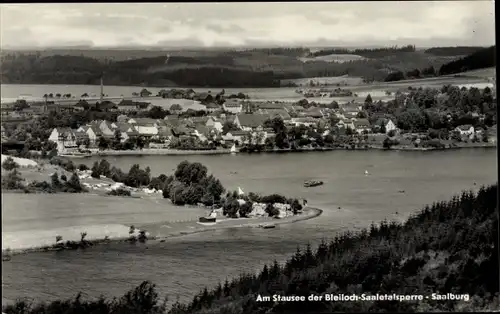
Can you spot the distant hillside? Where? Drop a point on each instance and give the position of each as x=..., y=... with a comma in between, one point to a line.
x=204, y=68
x=481, y=59
x=453, y=51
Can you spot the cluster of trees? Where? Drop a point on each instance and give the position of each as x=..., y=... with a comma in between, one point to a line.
x=425, y=109
x=453, y=51
x=58, y=184
x=192, y=185
x=13, y=180
x=367, y=52
x=232, y=208
x=480, y=58
x=136, y=177
x=447, y=247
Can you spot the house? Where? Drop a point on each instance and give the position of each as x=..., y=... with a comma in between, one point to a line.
x=214, y=124
x=465, y=130
x=127, y=131
x=127, y=105
x=387, y=123
x=107, y=129
x=107, y=105
x=345, y=124
x=135, y=121
x=202, y=132
x=305, y=121
x=233, y=106
x=362, y=125
x=211, y=107
x=269, y=105
x=92, y=132
x=164, y=131
x=236, y=136
x=282, y=113
x=145, y=93
x=204, y=97
x=248, y=122
x=313, y=112
x=64, y=138
x=146, y=129
x=198, y=120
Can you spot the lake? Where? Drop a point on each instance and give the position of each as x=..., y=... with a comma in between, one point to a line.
x=181, y=266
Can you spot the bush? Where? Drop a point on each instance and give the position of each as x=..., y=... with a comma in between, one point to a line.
x=64, y=178
x=271, y=210
x=83, y=167
x=119, y=192
x=12, y=181
x=63, y=163
x=245, y=209
x=9, y=164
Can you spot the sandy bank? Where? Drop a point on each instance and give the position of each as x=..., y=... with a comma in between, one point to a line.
x=22, y=162
x=22, y=241
x=158, y=151
x=162, y=231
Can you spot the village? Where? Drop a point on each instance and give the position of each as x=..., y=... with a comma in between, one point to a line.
x=222, y=123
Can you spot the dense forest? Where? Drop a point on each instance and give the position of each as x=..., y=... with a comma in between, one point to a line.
x=481, y=59
x=453, y=51
x=484, y=58
x=367, y=53
x=231, y=68
x=448, y=247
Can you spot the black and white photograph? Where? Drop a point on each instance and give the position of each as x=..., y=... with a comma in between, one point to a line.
x=249, y=157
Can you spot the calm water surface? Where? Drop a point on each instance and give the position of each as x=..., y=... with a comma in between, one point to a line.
x=180, y=266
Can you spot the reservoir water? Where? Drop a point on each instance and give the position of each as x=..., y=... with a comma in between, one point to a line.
x=183, y=265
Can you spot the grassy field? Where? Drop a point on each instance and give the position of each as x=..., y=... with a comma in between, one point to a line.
x=340, y=58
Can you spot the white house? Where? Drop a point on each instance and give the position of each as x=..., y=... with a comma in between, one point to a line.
x=106, y=128
x=214, y=123
x=233, y=106
x=387, y=123
x=236, y=136
x=346, y=123
x=306, y=121
x=92, y=132
x=64, y=138
x=146, y=129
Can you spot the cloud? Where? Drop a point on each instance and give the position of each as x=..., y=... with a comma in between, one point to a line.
x=236, y=24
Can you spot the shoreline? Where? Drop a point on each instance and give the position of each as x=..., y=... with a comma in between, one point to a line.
x=182, y=230
x=176, y=152
x=159, y=151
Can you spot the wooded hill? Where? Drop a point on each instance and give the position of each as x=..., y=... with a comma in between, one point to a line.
x=218, y=68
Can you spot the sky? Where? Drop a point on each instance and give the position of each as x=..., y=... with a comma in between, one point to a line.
x=177, y=25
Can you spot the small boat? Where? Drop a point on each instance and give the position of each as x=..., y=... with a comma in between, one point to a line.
x=312, y=183
x=401, y=191
x=76, y=155
x=207, y=219
x=268, y=226
x=366, y=172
